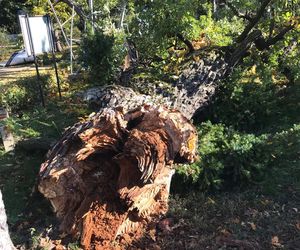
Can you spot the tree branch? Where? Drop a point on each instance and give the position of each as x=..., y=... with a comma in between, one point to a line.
x=280, y=35
x=77, y=8
x=243, y=47
x=186, y=42
x=261, y=43
x=254, y=21
x=236, y=11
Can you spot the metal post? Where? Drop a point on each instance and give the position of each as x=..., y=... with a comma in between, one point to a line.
x=59, y=23
x=50, y=35
x=71, y=41
x=35, y=61
x=91, y=5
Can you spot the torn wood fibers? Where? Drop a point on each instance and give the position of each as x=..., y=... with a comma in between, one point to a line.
x=109, y=177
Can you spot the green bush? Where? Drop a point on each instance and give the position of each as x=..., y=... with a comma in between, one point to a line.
x=227, y=158
x=4, y=42
x=257, y=98
x=100, y=54
x=19, y=95
x=4, y=39
x=246, y=101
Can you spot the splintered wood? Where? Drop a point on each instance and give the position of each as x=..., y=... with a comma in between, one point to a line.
x=108, y=177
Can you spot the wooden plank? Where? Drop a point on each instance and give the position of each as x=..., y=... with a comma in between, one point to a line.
x=7, y=137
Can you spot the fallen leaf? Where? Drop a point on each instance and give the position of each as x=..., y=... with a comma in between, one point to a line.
x=165, y=225
x=275, y=241
x=210, y=201
x=252, y=225
x=225, y=232
x=60, y=247
x=152, y=234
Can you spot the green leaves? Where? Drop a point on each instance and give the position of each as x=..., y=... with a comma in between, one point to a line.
x=97, y=56
x=227, y=158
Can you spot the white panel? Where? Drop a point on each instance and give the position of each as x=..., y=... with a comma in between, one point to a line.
x=25, y=34
x=40, y=34
x=39, y=27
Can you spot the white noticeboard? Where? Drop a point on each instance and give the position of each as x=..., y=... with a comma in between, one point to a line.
x=39, y=28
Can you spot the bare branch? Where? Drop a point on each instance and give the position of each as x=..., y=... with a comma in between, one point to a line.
x=254, y=20
x=186, y=42
x=236, y=11
x=261, y=43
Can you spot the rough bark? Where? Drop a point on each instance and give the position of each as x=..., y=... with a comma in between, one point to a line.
x=5, y=241
x=192, y=92
x=108, y=177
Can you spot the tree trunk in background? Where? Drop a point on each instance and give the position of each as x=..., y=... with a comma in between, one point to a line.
x=5, y=241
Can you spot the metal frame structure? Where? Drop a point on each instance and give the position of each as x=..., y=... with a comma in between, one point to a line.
x=90, y=17
x=69, y=41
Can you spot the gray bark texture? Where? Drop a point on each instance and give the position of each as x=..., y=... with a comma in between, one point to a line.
x=5, y=241
x=190, y=93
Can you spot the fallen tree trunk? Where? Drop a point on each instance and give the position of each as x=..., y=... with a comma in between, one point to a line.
x=190, y=94
x=5, y=241
x=108, y=177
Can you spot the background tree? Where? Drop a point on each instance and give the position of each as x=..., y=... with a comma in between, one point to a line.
x=8, y=14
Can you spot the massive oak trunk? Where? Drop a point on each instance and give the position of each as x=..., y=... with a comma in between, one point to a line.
x=108, y=177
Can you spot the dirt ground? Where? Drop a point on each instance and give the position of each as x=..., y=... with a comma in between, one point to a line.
x=228, y=220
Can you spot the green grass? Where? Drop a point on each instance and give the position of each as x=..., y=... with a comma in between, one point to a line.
x=26, y=209
x=47, y=123
x=18, y=176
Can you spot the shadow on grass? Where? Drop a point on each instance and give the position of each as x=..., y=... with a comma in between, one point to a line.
x=29, y=213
